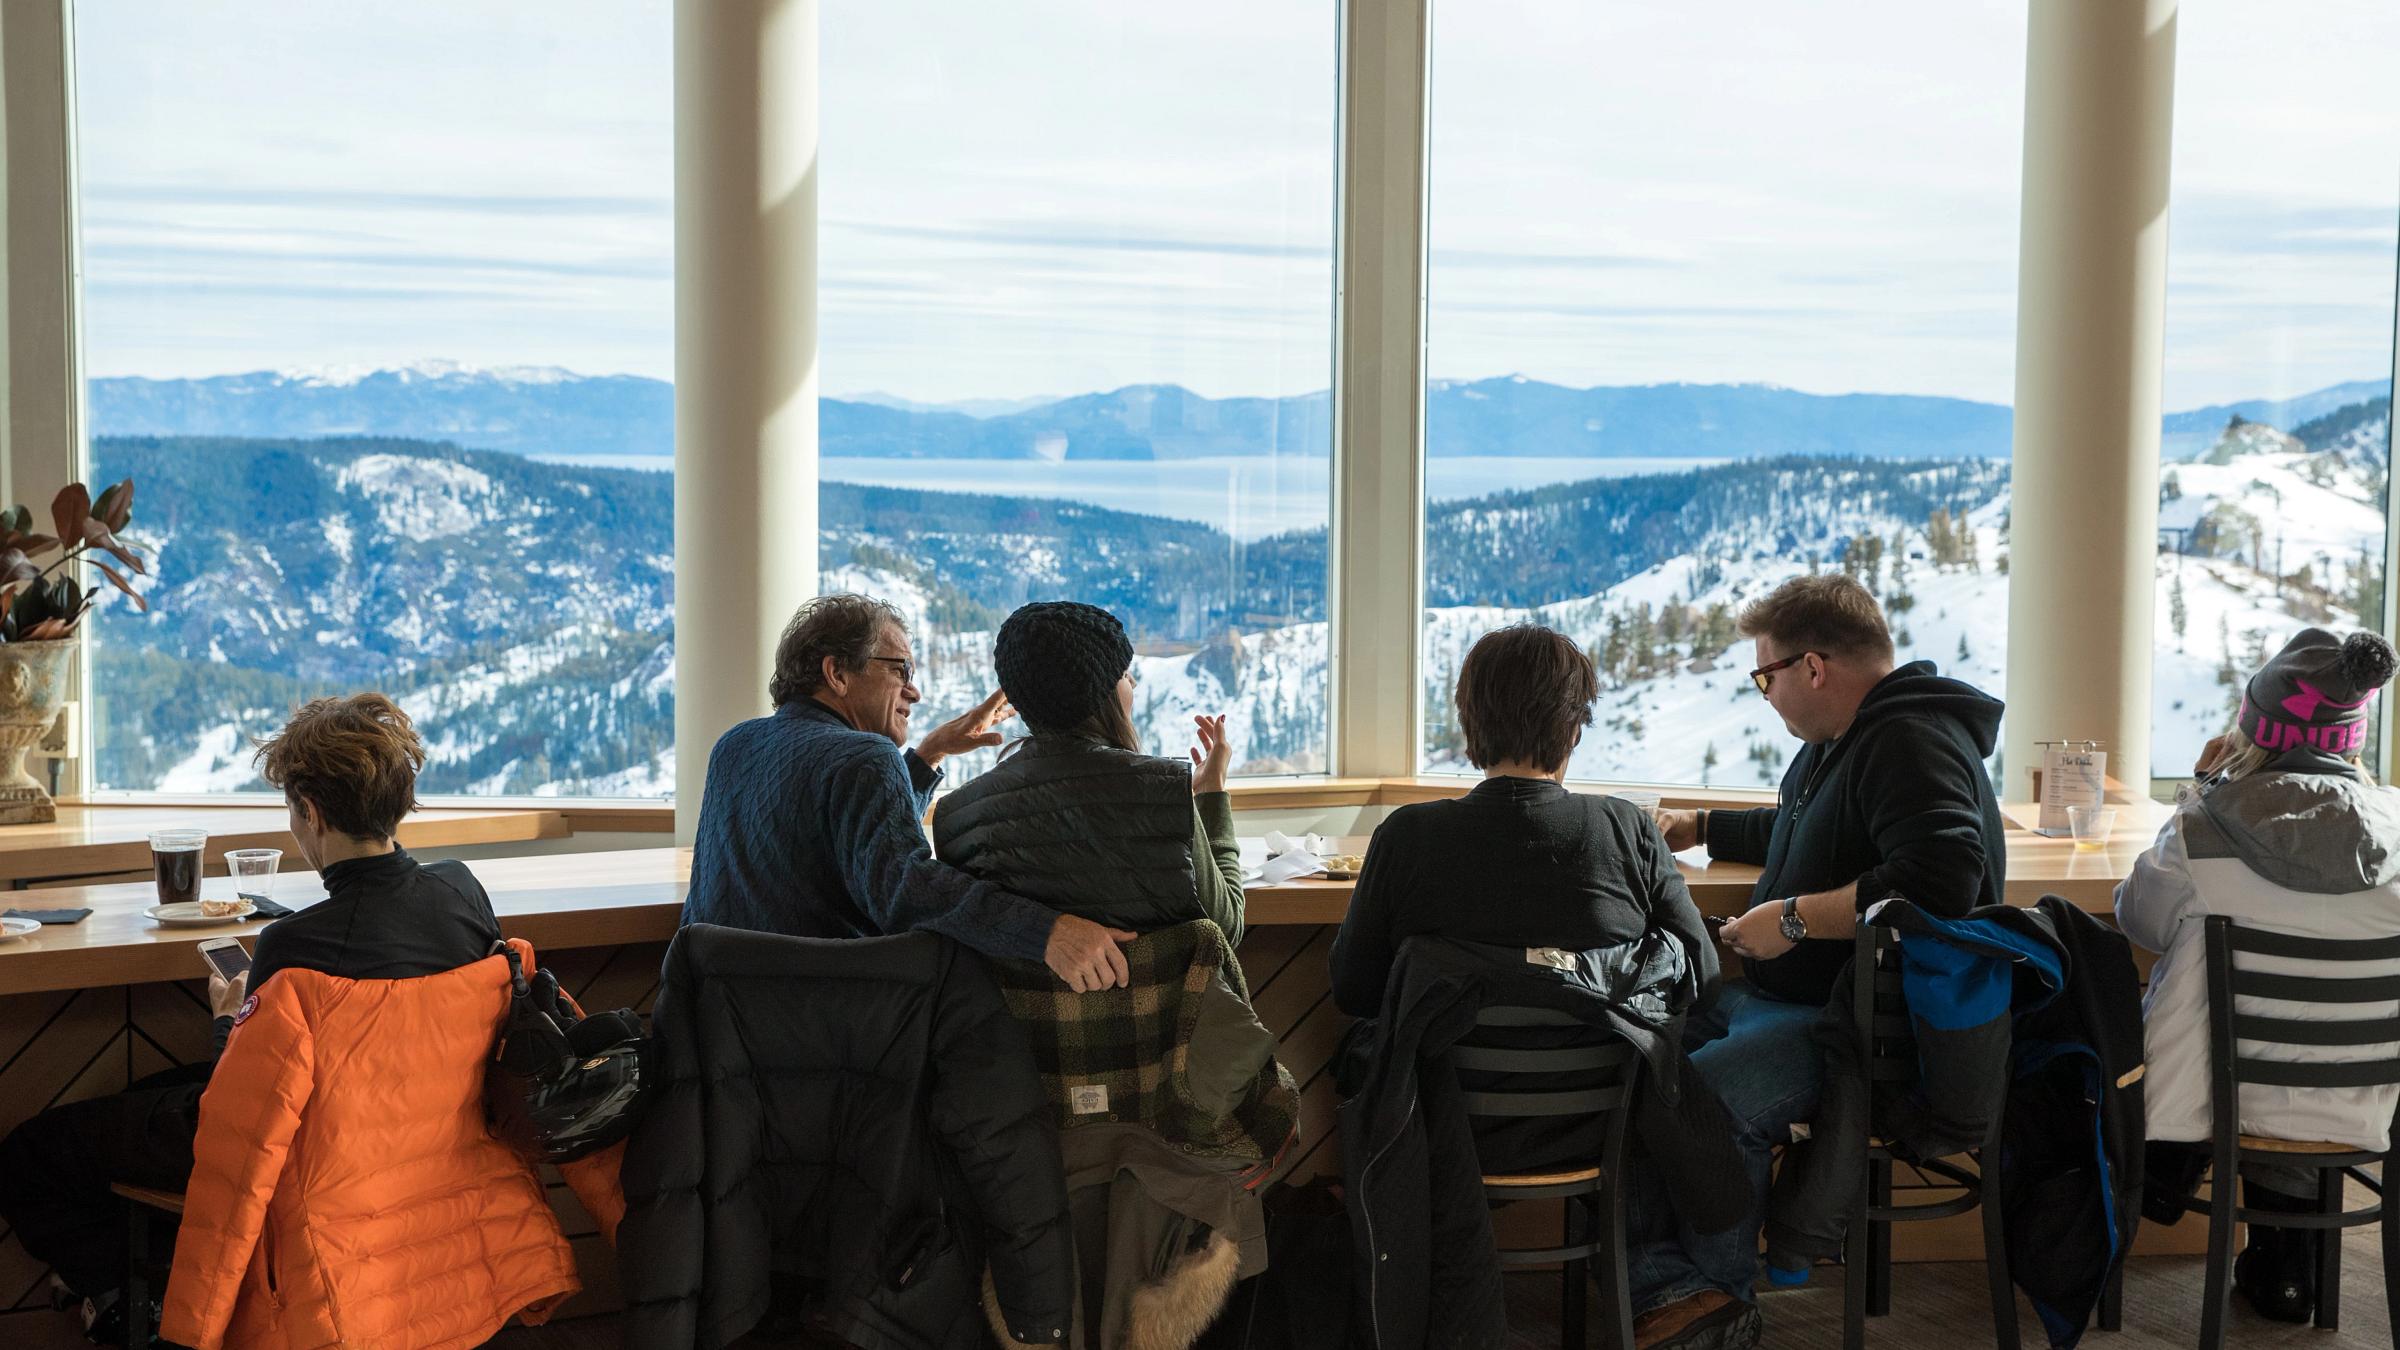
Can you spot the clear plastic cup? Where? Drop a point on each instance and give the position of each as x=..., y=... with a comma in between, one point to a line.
x=253, y=872
x=1647, y=802
x=2091, y=824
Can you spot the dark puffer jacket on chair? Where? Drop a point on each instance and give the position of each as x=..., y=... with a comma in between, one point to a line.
x=844, y=1133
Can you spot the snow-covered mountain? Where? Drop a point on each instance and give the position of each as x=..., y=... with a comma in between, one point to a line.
x=523, y=609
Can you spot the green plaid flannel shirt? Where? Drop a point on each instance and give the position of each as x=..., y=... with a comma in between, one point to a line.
x=1125, y=1054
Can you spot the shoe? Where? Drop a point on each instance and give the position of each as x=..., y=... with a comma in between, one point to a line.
x=104, y=1319
x=1708, y=1320
x=2277, y=1273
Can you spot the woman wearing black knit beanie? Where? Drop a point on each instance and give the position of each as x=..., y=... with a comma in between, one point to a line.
x=1176, y=1071
x=2284, y=831
x=1075, y=815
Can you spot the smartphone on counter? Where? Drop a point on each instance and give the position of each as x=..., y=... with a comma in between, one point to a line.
x=226, y=956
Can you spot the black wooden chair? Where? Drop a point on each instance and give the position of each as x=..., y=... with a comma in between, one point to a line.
x=143, y=1205
x=1593, y=1194
x=2229, y=1030
x=1887, y=1046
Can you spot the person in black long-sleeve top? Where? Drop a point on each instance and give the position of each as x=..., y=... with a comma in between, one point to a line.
x=348, y=771
x=1888, y=796
x=1519, y=861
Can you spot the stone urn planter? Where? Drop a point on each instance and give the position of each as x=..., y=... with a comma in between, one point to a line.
x=34, y=685
x=41, y=611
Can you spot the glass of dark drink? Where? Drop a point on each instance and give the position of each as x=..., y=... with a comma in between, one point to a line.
x=175, y=860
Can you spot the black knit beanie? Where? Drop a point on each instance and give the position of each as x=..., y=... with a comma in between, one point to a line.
x=2314, y=694
x=1058, y=660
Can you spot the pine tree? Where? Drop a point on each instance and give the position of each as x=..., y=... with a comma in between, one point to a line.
x=1708, y=762
x=2179, y=614
x=1964, y=655
x=1613, y=647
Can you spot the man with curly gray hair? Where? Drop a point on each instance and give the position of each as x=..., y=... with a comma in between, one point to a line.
x=811, y=823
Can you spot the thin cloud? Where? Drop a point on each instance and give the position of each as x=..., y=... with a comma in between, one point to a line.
x=638, y=268
x=348, y=199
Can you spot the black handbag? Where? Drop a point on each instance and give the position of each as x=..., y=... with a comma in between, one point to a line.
x=561, y=1085
x=1301, y=1301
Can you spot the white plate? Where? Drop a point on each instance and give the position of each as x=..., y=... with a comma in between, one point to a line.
x=12, y=929
x=188, y=915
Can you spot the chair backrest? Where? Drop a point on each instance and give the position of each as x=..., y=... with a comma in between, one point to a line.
x=1879, y=1009
x=2368, y=1064
x=1608, y=1070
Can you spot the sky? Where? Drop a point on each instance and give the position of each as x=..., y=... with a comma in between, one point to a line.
x=1055, y=196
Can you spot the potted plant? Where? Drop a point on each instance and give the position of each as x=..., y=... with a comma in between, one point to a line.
x=42, y=605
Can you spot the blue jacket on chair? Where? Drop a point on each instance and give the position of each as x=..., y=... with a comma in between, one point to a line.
x=2027, y=1012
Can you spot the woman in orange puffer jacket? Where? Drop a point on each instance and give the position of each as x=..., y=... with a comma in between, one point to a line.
x=344, y=1190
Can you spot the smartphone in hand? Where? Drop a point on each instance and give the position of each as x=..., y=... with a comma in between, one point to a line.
x=226, y=956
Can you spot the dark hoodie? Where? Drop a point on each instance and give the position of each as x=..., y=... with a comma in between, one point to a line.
x=1899, y=803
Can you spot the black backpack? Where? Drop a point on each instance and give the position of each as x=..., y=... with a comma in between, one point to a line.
x=561, y=1085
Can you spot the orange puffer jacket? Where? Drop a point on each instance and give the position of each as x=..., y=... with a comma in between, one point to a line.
x=344, y=1190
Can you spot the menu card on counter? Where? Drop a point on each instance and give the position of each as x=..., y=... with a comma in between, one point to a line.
x=2074, y=773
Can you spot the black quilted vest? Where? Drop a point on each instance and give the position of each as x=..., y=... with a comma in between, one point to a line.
x=1083, y=827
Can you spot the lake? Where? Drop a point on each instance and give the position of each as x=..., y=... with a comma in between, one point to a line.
x=1248, y=497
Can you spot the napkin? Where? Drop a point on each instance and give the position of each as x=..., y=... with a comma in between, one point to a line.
x=268, y=909
x=51, y=915
x=1288, y=857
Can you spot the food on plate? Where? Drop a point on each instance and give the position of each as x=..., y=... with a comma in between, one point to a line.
x=220, y=909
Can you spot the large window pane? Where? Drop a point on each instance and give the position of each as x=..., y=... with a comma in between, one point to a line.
x=2280, y=245
x=1716, y=299
x=377, y=314
x=1076, y=316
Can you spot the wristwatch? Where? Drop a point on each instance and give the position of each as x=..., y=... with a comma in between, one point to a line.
x=1794, y=927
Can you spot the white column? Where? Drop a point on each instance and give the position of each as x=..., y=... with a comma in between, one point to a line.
x=2091, y=302
x=745, y=359
x=41, y=370
x=1379, y=334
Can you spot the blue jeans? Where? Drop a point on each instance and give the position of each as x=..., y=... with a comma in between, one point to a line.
x=1760, y=1056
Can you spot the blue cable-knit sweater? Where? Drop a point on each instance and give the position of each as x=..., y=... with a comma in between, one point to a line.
x=811, y=827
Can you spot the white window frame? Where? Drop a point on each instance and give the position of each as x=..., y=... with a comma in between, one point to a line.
x=1376, y=583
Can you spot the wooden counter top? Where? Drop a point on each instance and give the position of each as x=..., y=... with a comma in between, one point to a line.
x=2037, y=866
x=95, y=840
x=636, y=895
x=557, y=901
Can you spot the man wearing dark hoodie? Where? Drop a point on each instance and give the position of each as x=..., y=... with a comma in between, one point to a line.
x=1888, y=796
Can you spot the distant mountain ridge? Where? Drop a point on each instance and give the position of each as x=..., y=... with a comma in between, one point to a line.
x=2188, y=435
x=521, y=410
x=545, y=411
